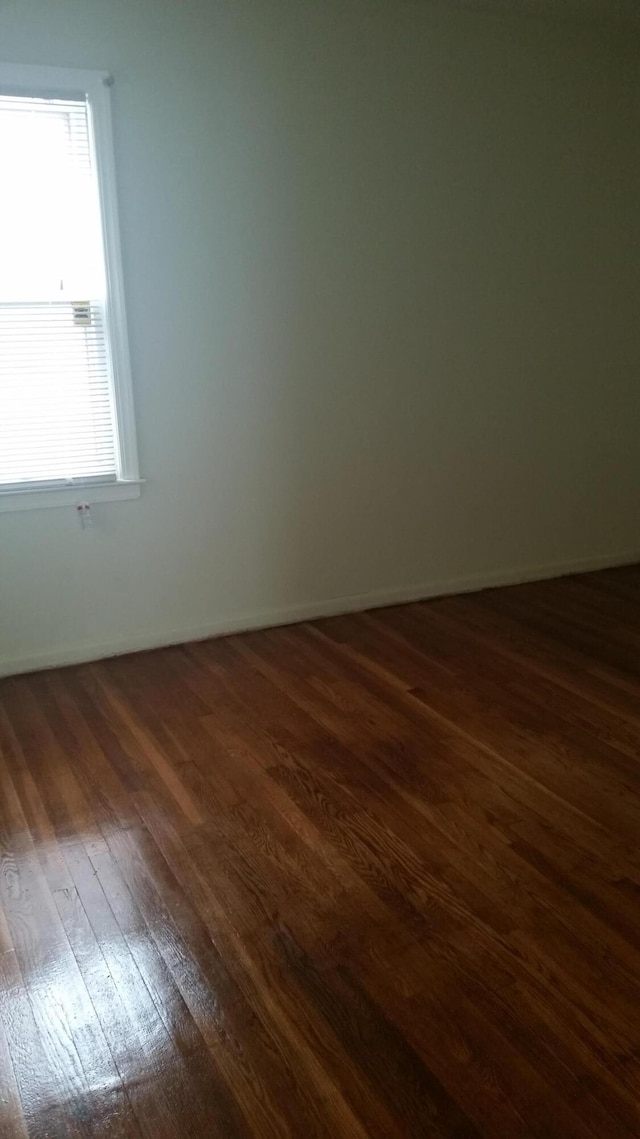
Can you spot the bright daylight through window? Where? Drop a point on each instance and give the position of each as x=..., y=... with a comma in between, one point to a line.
x=65, y=400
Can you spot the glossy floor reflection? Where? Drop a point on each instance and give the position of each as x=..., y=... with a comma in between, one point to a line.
x=372, y=877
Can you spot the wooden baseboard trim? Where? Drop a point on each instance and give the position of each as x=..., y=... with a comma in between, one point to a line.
x=304, y=611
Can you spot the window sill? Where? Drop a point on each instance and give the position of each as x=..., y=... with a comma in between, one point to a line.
x=70, y=496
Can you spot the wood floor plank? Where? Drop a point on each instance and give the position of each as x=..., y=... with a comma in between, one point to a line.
x=63, y=1028
x=13, y=1124
x=374, y=876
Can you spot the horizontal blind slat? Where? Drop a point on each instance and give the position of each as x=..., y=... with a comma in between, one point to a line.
x=56, y=406
x=56, y=415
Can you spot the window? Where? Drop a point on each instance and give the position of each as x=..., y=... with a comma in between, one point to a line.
x=66, y=412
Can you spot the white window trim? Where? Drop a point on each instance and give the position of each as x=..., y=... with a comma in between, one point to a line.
x=96, y=86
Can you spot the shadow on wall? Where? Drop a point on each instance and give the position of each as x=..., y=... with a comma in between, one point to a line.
x=435, y=272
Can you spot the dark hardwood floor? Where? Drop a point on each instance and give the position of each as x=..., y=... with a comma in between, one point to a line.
x=376, y=876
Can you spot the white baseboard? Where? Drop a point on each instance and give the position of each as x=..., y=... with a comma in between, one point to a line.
x=304, y=611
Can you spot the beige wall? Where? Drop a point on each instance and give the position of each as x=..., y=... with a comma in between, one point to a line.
x=381, y=264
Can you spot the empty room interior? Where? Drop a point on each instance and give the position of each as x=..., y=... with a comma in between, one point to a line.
x=319, y=569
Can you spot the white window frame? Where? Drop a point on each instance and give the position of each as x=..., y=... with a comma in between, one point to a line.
x=95, y=86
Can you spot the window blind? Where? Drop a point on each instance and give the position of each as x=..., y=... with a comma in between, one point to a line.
x=57, y=422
